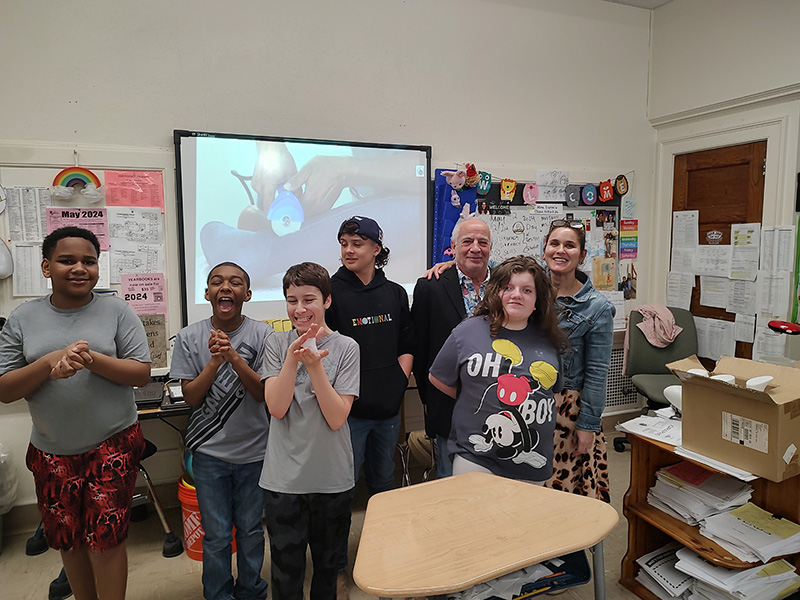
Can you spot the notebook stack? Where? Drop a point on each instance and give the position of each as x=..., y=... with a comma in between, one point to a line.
x=691, y=493
x=777, y=579
x=752, y=534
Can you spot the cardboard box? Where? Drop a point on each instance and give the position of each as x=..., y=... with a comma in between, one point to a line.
x=755, y=431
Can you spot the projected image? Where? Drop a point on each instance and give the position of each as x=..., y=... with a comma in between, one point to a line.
x=267, y=205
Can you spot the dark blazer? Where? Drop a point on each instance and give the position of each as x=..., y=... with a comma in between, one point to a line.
x=438, y=307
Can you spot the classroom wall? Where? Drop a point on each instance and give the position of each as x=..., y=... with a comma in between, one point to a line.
x=511, y=85
x=707, y=52
x=527, y=82
x=723, y=72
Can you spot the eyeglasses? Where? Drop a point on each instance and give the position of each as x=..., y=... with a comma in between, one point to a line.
x=566, y=223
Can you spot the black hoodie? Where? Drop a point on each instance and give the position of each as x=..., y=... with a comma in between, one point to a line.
x=376, y=316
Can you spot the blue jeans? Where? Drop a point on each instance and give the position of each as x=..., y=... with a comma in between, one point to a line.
x=444, y=466
x=374, y=443
x=228, y=496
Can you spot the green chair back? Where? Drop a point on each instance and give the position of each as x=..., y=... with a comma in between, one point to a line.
x=644, y=358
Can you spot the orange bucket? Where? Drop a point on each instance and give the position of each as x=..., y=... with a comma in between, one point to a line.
x=192, y=529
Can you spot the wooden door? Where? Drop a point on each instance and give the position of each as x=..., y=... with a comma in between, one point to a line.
x=726, y=187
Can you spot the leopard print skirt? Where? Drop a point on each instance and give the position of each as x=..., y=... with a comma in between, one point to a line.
x=586, y=475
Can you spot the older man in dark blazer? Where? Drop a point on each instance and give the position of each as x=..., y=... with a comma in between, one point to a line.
x=439, y=305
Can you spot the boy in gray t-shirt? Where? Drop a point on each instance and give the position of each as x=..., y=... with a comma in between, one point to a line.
x=74, y=356
x=219, y=362
x=312, y=377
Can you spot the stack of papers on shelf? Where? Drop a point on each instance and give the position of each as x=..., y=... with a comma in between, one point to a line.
x=659, y=575
x=753, y=534
x=715, y=464
x=765, y=582
x=691, y=493
x=655, y=428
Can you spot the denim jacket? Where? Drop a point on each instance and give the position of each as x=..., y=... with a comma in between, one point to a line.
x=588, y=320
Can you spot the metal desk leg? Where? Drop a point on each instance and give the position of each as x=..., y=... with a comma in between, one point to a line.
x=598, y=571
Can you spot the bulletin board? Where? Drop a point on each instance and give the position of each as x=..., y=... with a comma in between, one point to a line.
x=28, y=175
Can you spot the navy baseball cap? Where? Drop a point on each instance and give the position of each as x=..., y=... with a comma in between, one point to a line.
x=365, y=226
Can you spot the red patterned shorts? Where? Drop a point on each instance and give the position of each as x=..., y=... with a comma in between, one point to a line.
x=85, y=499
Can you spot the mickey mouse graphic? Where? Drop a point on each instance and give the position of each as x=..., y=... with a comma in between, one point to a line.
x=510, y=432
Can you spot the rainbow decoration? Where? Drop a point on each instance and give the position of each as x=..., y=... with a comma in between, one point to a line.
x=72, y=176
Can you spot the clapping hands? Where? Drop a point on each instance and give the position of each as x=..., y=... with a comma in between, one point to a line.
x=305, y=352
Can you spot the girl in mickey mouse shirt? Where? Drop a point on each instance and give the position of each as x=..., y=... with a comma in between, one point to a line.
x=503, y=368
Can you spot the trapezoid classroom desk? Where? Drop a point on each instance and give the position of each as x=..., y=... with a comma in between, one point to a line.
x=450, y=534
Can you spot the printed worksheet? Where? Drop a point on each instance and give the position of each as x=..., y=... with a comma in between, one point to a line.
x=713, y=260
x=774, y=293
x=715, y=338
x=745, y=328
x=768, y=344
x=28, y=279
x=138, y=225
x=714, y=291
x=742, y=298
x=679, y=289
x=26, y=211
x=684, y=228
x=682, y=260
x=130, y=257
x=744, y=256
x=777, y=248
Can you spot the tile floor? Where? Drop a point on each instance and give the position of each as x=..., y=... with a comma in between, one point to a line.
x=153, y=577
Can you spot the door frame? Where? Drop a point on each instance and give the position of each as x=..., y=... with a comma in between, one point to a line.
x=776, y=122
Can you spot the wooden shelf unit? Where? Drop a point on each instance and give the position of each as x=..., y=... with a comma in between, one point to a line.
x=650, y=528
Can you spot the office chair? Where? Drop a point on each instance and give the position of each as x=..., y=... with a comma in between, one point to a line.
x=646, y=365
x=172, y=545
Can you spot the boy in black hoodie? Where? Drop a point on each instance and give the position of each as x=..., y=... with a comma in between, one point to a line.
x=374, y=312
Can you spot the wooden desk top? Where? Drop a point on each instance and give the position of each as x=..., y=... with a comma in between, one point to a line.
x=450, y=534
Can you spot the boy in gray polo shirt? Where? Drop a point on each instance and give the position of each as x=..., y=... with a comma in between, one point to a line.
x=311, y=379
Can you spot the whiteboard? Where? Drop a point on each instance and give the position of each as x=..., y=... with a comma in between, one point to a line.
x=523, y=230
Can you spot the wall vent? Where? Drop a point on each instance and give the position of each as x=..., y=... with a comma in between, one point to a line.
x=616, y=400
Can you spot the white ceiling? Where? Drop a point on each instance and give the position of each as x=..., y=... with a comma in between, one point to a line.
x=651, y=4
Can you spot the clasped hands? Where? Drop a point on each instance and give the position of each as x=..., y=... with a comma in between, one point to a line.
x=72, y=359
x=219, y=344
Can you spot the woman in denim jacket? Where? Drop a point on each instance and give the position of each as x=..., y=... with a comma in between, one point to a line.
x=580, y=459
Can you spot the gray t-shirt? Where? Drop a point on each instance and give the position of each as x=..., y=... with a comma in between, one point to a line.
x=75, y=415
x=505, y=414
x=230, y=424
x=304, y=455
